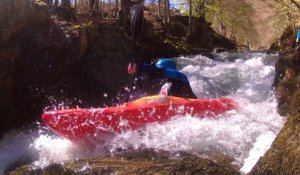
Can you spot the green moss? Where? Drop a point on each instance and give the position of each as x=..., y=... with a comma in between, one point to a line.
x=284, y=155
x=76, y=27
x=139, y=163
x=39, y=3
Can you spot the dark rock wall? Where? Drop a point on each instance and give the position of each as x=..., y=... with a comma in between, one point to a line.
x=45, y=61
x=16, y=17
x=49, y=57
x=287, y=79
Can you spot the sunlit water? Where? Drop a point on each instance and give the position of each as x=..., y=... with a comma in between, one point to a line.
x=244, y=134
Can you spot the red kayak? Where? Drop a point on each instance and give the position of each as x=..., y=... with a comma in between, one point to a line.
x=77, y=124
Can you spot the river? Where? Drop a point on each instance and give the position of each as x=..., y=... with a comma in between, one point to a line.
x=244, y=134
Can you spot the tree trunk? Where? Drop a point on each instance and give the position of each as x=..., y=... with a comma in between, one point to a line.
x=96, y=6
x=92, y=5
x=48, y=2
x=202, y=8
x=116, y=8
x=66, y=3
x=124, y=11
x=102, y=9
x=159, y=8
x=56, y=3
x=167, y=11
x=294, y=24
x=190, y=25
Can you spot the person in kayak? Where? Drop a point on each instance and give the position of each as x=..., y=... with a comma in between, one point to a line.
x=151, y=77
x=298, y=36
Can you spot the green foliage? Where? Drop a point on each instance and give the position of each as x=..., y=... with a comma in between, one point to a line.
x=87, y=25
x=183, y=9
x=76, y=27
x=232, y=17
x=39, y=2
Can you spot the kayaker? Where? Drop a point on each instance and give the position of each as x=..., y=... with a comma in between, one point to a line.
x=298, y=36
x=151, y=77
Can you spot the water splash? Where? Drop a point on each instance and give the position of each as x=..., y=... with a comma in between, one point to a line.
x=15, y=149
x=236, y=133
x=244, y=134
x=261, y=145
x=52, y=149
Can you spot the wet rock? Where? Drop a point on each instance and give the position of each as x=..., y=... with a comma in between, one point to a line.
x=284, y=156
x=285, y=89
x=219, y=50
x=21, y=161
x=12, y=22
x=64, y=12
x=286, y=42
x=80, y=40
x=286, y=79
x=280, y=66
x=16, y=16
x=145, y=161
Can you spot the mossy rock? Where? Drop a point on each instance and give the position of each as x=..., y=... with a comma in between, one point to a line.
x=144, y=161
x=284, y=155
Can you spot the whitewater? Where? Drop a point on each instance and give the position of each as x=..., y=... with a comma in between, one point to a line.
x=244, y=134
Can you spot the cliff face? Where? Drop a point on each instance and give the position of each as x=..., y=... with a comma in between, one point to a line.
x=264, y=23
x=44, y=58
x=19, y=33
x=58, y=57
x=286, y=42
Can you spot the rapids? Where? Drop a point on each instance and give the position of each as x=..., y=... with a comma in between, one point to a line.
x=244, y=134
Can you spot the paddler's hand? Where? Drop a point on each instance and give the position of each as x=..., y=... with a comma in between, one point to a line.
x=131, y=68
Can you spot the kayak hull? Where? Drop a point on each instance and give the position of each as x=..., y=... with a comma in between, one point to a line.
x=78, y=124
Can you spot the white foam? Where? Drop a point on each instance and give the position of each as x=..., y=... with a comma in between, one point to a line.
x=261, y=145
x=244, y=134
x=236, y=133
x=52, y=149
